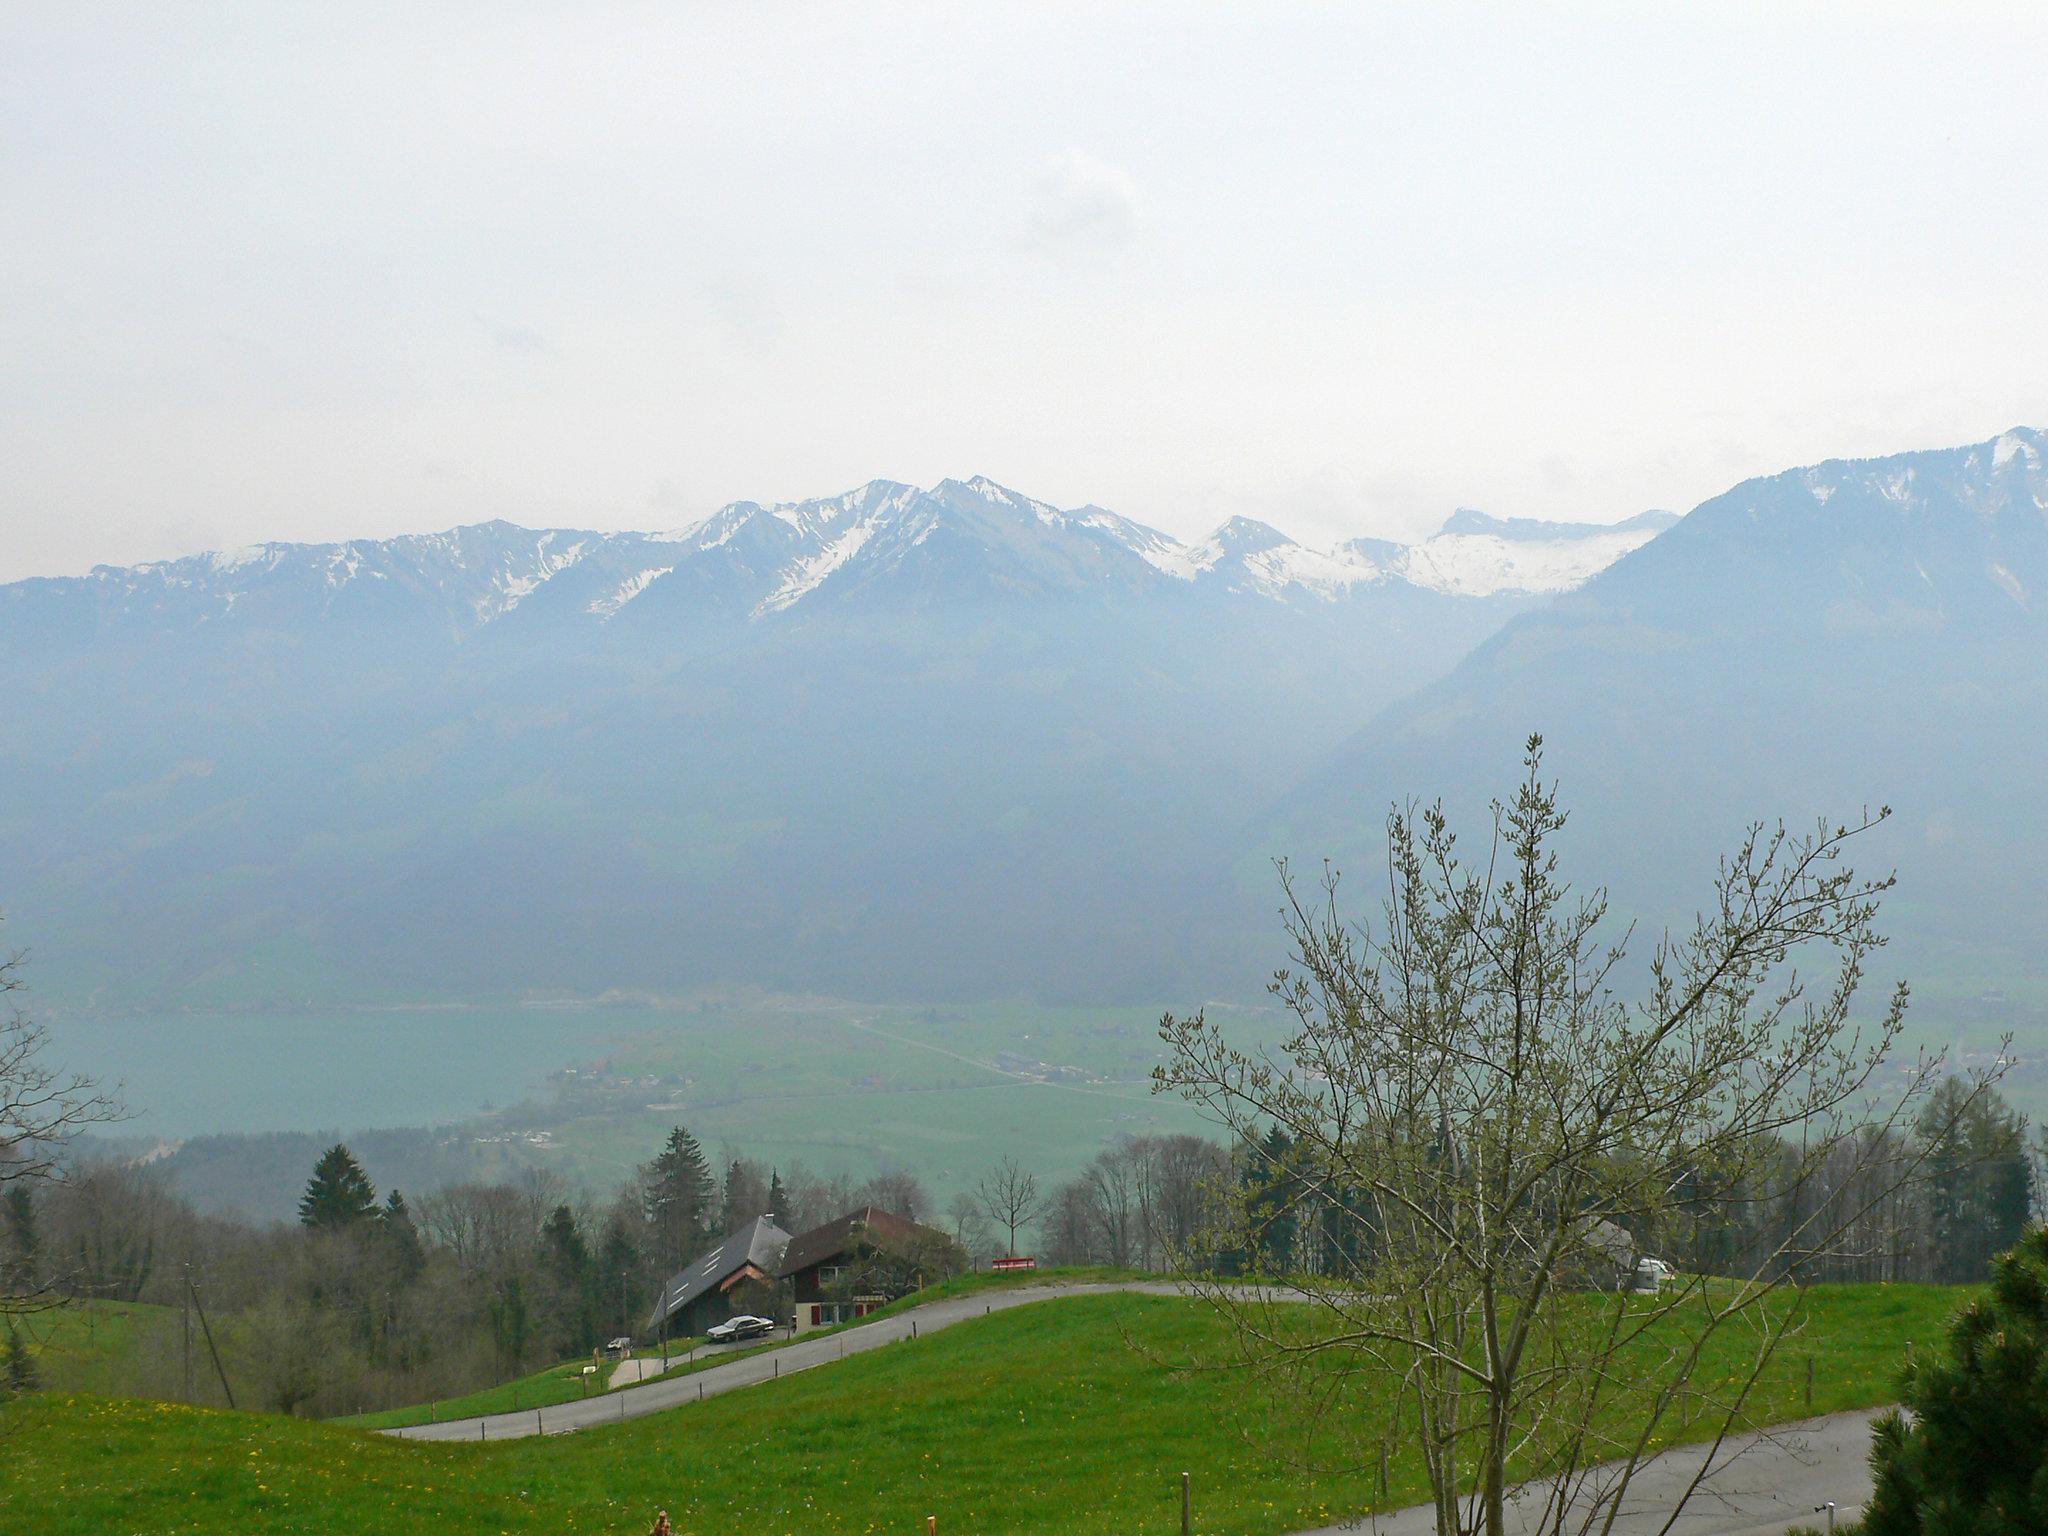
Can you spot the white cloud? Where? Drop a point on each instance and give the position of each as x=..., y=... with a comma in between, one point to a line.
x=1081, y=206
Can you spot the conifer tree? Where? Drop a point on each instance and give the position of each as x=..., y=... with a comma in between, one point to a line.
x=616, y=1260
x=396, y=1221
x=568, y=1260
x=1980, y=1185
x=678, y=1200
x=778, y=1198
x=1974, y=1457
x=735, y=1194
x=339, y=1194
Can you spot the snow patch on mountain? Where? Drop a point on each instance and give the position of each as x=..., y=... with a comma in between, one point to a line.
x=509, y=588
x=807, y=573
x=2021, y=443
x=1482, y=565
x=627, y=590
x=236, y=559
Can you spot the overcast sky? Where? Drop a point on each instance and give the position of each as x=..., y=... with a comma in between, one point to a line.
x=326, y=271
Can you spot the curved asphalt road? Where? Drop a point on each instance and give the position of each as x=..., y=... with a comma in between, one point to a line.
x=805, y=1353
x=1761, y=1485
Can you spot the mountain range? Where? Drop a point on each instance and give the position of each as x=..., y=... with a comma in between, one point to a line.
x=959, y=742
x=962, y=541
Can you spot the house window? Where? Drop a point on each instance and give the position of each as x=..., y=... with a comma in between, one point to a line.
x=828, y=1274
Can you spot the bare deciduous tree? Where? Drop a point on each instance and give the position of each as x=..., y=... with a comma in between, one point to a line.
x=1493, y=1139
x=42, y=1107
x=1009, y=1193
x=899, y=1192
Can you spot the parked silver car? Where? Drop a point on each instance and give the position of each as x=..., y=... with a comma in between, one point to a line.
x=744, y=1326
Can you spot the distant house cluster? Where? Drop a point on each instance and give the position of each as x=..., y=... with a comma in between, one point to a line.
x=831, y=1274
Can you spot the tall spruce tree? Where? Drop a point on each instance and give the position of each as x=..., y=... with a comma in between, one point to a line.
x=408, y=1253
x=567, y=1258
x=735, y=1197
x=778, y=1198
x=678, y=1201
x=339, y=1194
x=1980, y=1182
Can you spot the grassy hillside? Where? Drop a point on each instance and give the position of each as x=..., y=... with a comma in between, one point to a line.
x=563, y=1382
x=1063, y=1416
x=93, y=1346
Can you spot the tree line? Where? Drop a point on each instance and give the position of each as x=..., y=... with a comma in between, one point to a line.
x=376, y=1298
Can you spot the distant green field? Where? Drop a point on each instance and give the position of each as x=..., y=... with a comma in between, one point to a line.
x=1069, y=1416
x=839, y=1087
x=590, y=1092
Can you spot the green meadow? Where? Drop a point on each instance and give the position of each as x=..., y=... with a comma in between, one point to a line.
x=1076, y=1415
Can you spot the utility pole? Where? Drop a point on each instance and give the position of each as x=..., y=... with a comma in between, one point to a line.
x=193, y=1291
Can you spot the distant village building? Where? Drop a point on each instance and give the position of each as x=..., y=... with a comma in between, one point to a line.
x=847, y=1268
x=739, y=1275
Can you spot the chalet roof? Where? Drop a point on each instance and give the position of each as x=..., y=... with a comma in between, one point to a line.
x=883, y=1229
x=759, y=1243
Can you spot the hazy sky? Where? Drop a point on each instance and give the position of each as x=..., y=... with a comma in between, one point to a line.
x=297, y=271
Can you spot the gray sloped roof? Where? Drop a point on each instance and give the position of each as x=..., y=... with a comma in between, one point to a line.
x=759, y=1243
x=870, y=1224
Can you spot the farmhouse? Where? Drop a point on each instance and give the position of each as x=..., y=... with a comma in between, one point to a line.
x=847, y=1268
x=738, y=1275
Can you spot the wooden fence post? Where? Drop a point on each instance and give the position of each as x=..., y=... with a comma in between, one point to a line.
x=1187, y=1505
x=1809, y=1383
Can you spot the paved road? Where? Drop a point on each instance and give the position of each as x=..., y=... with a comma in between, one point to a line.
x=1760, y=1486
x=640, y=1367
x=804, y=1354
